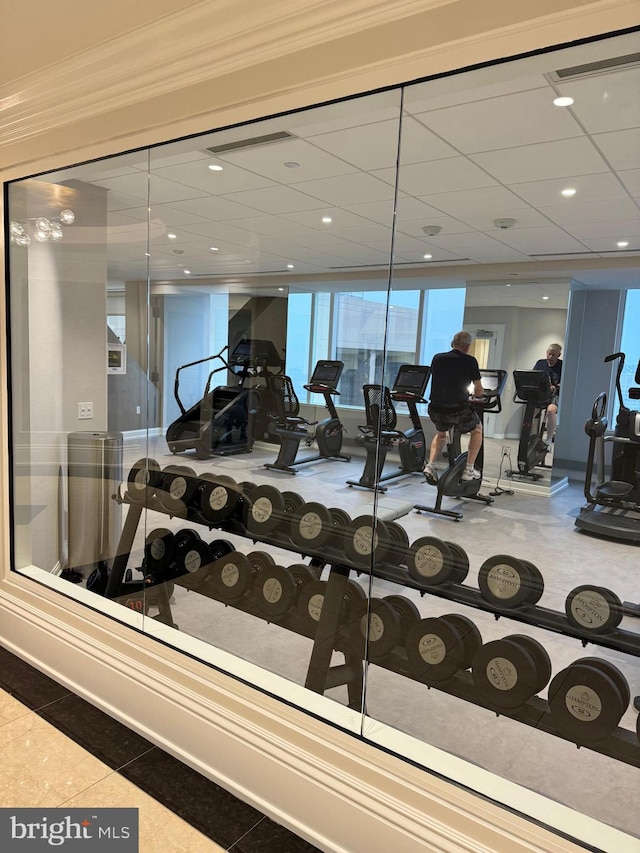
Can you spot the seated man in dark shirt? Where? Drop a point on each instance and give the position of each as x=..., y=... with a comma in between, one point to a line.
x=552, y=364
x=451, y=375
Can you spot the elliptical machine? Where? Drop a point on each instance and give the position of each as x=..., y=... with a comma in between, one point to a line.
x=292, y=429
x=533, y=388
x=613, y=506
x=380, y=433
x=450, y=483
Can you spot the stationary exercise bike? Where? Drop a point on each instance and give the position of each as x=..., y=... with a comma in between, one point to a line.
x=613, y=506
x=450, y=483
x=380, y=433
x=533, y=389
x=292, y=429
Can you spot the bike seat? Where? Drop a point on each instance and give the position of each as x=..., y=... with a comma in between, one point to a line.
x=613, y=489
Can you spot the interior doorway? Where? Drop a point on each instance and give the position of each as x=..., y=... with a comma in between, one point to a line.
x=486, y=347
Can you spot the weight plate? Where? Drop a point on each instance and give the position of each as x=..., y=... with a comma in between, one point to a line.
x=217, y=498
x=97, y=581
x=383, y=628
x=310, y=603
x=265, y=510
x=365, y=540
x=260, y=560
x=194, y=556
x=232, y=576
x=292, y=502
x=340, y=518
x=460, y=558
x=430, y=561
x=593, y=609
x=302, y=574
x=585, y=703
x=614, y=674
x=435, y=651
x=219, y=548
x=469, y=634
x=504, y=674
x=142, y=481
x=537, y=583
x=246, y=487
x=406, y=610
x=398, y=543
x=159, y=549
x=186, y=535
x=354, y=595
x=540, y=657
x=504, y=581
x=317, y=564
x=274, y=590
x=310, y=526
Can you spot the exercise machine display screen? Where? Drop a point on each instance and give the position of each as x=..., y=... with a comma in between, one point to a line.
x=326, y=373
x=532, y=385
x=250, y=351
x=412, y=379
x=493, y=381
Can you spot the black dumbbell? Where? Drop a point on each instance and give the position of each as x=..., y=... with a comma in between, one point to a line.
x=430, y=561
x=366, y=539
x=398, y=543
x=178, y=486
x=587, y=700
x=217, y=498
x=159, y=550
x=232, y=576
x=311, y=602
x=506, y=582
x=311, y=526
x=276, y=588
x=460, y=563
x=264, y=511
x=435, y=650
x=509, y=672
x=384, y=622
x=593, y=609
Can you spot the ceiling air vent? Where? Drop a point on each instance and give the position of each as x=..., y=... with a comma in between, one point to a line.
x=252, y=142
x=612, y=64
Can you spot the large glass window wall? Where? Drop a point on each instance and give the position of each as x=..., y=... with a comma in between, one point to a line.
x=220, y=366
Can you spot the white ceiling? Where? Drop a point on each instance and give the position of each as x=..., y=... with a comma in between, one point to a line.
x=474, y=147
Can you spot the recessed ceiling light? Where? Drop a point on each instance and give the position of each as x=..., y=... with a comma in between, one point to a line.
x=187, y=272
x=291, y=164
x=507, y=285
x=545, y=297
x=570, y=191
x=172, y=236
x=622, y=244
x=327, y=220
x=563, y=102
x=147, y=254
x=427, y=257
x=290, y=266
x=215, y=168
x=214, y=249
x=281, y=289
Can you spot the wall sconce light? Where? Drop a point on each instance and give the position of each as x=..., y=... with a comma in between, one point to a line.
x=41, y=228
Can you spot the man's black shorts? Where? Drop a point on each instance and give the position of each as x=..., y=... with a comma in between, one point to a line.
x=462, y=417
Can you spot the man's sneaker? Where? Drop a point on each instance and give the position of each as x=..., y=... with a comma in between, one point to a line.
x=430, y=473
x=471, y=473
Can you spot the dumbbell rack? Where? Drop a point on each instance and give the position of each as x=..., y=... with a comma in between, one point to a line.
x=331, y=633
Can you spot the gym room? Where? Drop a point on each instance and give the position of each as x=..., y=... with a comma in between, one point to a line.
x=220, y=375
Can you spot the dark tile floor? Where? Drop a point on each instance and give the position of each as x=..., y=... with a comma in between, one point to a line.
x=210, y=809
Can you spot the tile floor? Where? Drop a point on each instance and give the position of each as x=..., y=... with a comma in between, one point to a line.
x=58, y=750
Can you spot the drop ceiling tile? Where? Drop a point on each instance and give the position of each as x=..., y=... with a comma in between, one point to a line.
x=175, y=155
x=340, y=218
x=438, y=176
x=486, y=200
x=382, y=211
x=497, y=254
x=620, y=229
x=535, y=241
x=525, y=217
x=371, y=235
x=349, y=189
x=602, y=186
x=460, y=242
x=521, y=118
x=631, y=180
x=574, y=214
x=606, y=102
x=215, y=208
x=447, y=92
x=607, y=245
x=158, y=189
x=621, y=148
x=272, y=225
x=197, y=174
x=543, y=161
x=370, y=109
x=269, y=161
x=278, y=199
x=415, y=227
x=121, y=201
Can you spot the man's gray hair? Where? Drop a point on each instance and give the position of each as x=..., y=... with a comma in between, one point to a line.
x=461, y=340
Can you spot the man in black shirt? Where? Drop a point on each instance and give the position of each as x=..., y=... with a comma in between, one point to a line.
x=552, y=364
x=452, y=374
